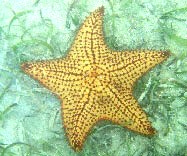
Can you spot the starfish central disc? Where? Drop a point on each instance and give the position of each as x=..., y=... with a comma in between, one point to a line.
x=92, y=77
x=91, y=72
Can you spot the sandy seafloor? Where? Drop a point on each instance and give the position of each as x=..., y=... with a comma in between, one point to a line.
x=30, y=118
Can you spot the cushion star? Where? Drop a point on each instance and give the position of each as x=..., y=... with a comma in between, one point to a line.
x=96, y=83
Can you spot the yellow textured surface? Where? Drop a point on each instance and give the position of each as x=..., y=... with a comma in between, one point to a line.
x=96, y=83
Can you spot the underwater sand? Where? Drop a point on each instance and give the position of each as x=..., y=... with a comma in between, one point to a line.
x=30, y=118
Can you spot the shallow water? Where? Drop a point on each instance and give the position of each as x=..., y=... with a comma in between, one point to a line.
x=30, y=115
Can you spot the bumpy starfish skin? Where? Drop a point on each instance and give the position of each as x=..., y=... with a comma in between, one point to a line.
x=96, y=83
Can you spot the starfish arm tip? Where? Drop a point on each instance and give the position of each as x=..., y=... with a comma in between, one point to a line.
x=166, y=53
x=25, y=66
x=101, y=9
x=152, y=131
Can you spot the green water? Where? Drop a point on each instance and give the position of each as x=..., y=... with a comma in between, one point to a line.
x=30, y=118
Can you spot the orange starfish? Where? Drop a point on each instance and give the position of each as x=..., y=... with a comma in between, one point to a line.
x=96, y=83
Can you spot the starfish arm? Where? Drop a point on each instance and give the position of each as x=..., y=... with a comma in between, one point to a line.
x=124, y=110
x=57, y=75
x=89, y=42
x=131, y=65
x=79, y=114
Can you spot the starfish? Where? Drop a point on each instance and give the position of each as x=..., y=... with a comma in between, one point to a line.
x=96, y=83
